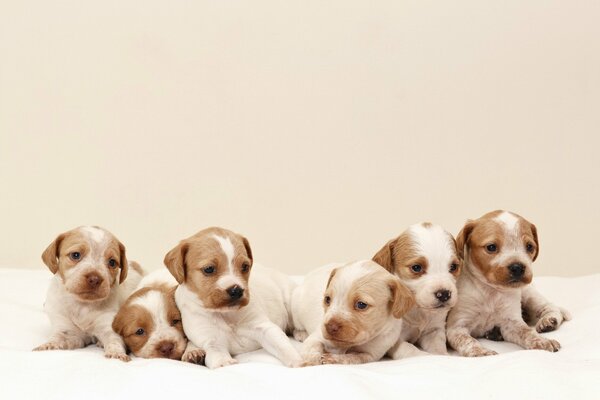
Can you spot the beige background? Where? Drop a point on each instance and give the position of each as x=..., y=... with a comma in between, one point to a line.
x=318, y=129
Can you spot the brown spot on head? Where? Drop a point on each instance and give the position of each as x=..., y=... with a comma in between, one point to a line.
x=215, y=264
x=500, y=247
x=150, y=323
x=360, y=299
x=89, y=260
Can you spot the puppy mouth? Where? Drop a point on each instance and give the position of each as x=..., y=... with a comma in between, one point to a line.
x=91, y=295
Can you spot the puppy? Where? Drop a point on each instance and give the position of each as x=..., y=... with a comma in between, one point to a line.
x=350, y=314
x=228, y=306
x=425, y=258
x=499, y=251
x=150, y=322
x=88, y=287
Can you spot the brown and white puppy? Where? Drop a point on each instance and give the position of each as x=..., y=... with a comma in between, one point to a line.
x=150, y=322
x=425, y=258
x=90, y=267
x=499, y=251
x=228, y=306
x=349, y=314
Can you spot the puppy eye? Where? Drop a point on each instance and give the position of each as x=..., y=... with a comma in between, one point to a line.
x=112, y=263
x=209, y=270
x=245, y=267
x=140, y=332
x=75, y=256
x=361, y=305
x=416, y=268
x=530, y=248
x=327, y=300
x=491, y=248
x=175, y=321
x=453, y=267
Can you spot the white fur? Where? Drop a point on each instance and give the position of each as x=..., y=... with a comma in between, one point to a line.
x=261, y=323
x=229, y=279
x=76, y=323
x=309, y=315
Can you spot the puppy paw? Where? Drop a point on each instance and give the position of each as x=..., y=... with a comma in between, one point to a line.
x=51, y=346
x=329, y=358
x=194, y=356
x=117, y=355
x=309, y=360
x=300, y=335
x=225, y=363
x=540, y=343
x=479, y=352
x=547, y=323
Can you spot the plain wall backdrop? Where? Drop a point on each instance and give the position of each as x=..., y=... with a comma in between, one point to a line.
x=318, y=129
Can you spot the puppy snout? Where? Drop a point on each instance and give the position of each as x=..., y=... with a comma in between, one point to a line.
x=166, y=348
x=333, y=327
x=93, y=280
x=516, y=270
x=235, y=292
x=443, y=295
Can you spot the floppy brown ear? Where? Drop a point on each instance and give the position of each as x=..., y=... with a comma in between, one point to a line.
x=52, y=253
x=175, y=261
x=247, y=247
x=462, y=239
x=402, y=298
x=385, y=256
x=123, y=263
x=331, y=277
x=119, y=321
x=535, y=239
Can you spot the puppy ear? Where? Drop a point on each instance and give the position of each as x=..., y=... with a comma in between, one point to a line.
x=331, y=277
x=119, y=321
x=247, y=247
x=385, y=256
x=52, y=253
x=462, y=239
x=175, y=261
x=123, y=263
x=402, y=298
x=535, y=239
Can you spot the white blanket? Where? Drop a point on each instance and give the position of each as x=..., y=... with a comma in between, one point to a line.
x=573, y=372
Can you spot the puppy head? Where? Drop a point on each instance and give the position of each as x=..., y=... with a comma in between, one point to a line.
x=500, y=248
x=426, y=259
x=359, y=300
x=215, y=264
x=150, y=323
x=89, y=260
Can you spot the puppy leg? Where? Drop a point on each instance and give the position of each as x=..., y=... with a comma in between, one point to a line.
x=461, y=340
x=300, y=335
x=404, y=349
x=547, y=316
x=113, y=344
x=312, y=350
x=275, y=341
x=218, y=356
x=193, y=354
x=66, y=336
x=347, y=358
x=517, y=331
x=434, y=341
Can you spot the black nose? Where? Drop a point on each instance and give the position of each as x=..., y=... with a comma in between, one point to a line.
x=235, y=292
x=443, y=295
x=516, y=270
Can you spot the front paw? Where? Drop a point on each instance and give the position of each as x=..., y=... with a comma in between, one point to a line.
x=117, y=355
x=224, y=363
x=548, y=323
x=52, y=346
x=195, y=356
x=540, y=343
x=310, y=360
x=329, y=358
x=479, y=352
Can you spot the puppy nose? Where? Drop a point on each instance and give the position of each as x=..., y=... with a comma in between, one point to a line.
x=332, y=327
x=443, y=295
x=235, y=292
x=516, y=270
x=166, y=348
x=93, y=280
